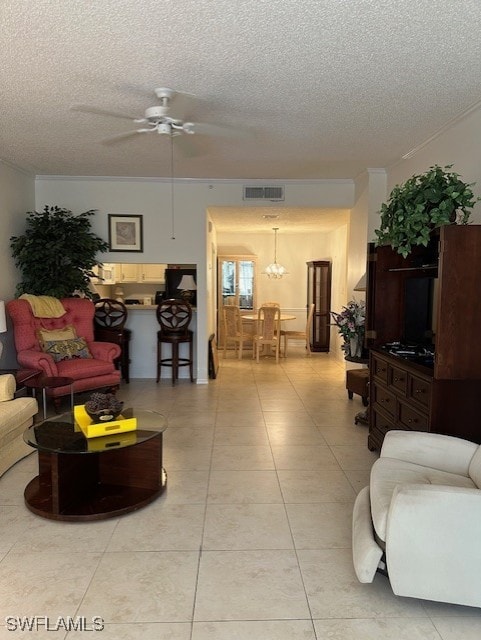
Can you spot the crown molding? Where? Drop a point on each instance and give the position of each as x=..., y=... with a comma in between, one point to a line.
x=15, y=167
x=210, y=181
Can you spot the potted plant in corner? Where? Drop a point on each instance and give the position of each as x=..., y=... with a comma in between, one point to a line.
x=423, y=203
x=57, y=253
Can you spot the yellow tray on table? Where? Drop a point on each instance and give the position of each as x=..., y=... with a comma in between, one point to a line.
x=92, y=429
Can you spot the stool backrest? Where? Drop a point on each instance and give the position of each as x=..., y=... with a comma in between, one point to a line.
x=110, y=314
x=174, y=315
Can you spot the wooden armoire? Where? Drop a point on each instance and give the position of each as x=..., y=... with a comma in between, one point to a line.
x=430, y=302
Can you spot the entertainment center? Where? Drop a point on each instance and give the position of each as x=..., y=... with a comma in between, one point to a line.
x=423, y=326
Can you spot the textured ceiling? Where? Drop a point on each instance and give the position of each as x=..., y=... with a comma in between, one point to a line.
x=325, y=88
x=292, y=219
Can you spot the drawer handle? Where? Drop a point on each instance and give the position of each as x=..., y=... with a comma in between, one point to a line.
x=398, y=379
x=419, y=391
x=385, y=400
x=410, y=420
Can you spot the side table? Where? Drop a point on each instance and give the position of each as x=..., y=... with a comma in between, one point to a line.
x=44, y=383
x=21, y=376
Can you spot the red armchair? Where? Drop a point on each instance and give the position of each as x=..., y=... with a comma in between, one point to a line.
x=88, y=373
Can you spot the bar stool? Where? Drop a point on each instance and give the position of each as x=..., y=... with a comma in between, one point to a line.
x=109, y=320
x=174, y=317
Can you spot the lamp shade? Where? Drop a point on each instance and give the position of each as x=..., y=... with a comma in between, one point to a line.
x=187, y=283
x=361, y=285
x=3, y=319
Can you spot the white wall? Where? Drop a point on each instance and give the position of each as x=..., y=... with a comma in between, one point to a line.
x=293, y=251
x=151, y=198
x=459, y=146
x=17, y=190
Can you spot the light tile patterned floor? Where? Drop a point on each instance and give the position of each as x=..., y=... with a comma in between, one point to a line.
x=251, y=540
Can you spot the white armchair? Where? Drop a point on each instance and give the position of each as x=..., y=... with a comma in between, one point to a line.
x=419, y=521
x=16, y=414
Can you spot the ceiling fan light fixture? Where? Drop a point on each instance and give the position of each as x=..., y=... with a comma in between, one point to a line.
x=275, y=270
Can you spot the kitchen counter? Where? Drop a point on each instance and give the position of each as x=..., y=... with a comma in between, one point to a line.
x=141, y=307
x=142, y=322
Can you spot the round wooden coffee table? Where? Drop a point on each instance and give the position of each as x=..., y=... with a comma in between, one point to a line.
x=83, y=478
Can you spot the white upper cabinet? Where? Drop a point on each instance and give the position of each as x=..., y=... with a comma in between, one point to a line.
x=140, y=273
x=105, y=274
x=152, y=273
x=128, y=273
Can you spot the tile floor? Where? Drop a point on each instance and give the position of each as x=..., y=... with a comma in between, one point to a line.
x=251, y=540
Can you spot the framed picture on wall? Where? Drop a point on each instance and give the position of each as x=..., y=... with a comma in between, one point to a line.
x=125, y=233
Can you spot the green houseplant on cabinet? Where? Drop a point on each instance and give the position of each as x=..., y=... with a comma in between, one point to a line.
x=424, y=202
x=57, y=253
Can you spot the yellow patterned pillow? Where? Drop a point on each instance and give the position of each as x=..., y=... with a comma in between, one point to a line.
x=66, y=349
x=66, y=333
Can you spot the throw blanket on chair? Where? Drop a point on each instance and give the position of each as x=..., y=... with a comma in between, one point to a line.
x=44, y=306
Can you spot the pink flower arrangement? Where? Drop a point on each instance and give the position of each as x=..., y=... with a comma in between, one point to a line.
x=351, y=322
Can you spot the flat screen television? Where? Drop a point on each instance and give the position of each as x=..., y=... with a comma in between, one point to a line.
x=419, y=315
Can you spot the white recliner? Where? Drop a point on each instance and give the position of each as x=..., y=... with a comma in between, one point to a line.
x=420, y=518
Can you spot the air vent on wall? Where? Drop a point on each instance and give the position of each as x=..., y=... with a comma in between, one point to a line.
x=264, y=193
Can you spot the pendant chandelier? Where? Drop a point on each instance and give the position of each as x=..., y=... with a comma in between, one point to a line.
x=275, y=270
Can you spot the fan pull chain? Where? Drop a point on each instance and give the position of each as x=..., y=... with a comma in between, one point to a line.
x=172, y=186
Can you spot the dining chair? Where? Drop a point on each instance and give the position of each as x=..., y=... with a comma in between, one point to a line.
x=300, y=335
x=233, y=330
x=268, y=330
x=271, y=304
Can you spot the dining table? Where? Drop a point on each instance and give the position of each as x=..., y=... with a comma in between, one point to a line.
x=254, y=316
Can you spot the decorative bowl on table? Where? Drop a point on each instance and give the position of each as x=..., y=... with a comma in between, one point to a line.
x=103, y=407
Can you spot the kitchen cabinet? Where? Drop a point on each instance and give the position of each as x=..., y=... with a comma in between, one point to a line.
x=104, y=274
x=426, y=303
x=128, y=273
x=154, y=273
x=141, y=273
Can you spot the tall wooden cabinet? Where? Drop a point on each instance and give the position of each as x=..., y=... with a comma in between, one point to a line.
x=319, y=293
x=431, y=299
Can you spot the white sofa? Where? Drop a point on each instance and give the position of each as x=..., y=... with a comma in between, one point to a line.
x=16, y=414
x=420, y=518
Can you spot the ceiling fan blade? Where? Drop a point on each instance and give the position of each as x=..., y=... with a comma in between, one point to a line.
x=101, y=112
x=122, y=136
x=204, y=128
x=187, y=147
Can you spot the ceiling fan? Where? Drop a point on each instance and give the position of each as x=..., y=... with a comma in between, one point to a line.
x=156, y=119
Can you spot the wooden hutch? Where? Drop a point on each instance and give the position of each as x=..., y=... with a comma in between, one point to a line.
x=430, y=302
x=319, y=294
